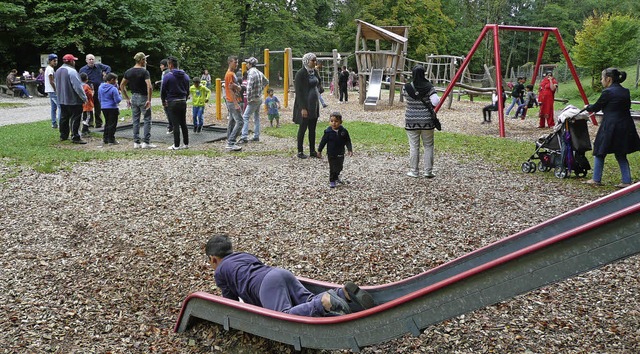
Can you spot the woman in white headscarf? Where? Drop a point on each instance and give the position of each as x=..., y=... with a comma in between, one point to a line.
x=306, y=108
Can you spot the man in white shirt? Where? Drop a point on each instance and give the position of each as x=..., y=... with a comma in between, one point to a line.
x=50, y=90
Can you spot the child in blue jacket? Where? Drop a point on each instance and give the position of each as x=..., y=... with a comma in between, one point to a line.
x=110, y=97
x=336, y=138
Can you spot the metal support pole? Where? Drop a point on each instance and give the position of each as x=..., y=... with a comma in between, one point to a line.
x=287, y=59
x=499, y=87
x=218, y=99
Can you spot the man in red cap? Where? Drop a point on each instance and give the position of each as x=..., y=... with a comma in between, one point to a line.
x=71, y=97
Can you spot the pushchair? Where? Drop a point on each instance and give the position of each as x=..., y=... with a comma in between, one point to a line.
x=564, y=149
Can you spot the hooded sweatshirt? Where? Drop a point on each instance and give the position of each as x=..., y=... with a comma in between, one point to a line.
x=109, y=96
x=175, y=86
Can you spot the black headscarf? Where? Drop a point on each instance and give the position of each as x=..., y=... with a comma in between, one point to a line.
x=420, y=87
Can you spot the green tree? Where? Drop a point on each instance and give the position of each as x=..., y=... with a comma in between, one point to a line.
x=607, y=40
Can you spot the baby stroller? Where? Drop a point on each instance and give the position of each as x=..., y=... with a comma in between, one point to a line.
x=564, y=149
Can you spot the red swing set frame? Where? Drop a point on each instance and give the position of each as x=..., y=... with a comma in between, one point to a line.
x=496, y=49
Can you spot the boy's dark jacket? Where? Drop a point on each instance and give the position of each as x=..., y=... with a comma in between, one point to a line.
x=335, y=141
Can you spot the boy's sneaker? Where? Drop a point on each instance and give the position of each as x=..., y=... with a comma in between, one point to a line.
x=233, y=147
x=195, y=129
x=148, y=146
x=173, y=147
x=429, y=174
x=242, y=141
x=185, y=147
x=200, y=129
x=412, y=174
x=301, y=155
x=255, y=139
x=332, y=184
x=359, y=296
x=169, y=131
x=137, y=145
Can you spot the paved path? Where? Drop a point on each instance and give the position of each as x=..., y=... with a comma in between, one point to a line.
x=36, y=109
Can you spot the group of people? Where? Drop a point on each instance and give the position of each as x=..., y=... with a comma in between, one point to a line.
x=243, y=101
x=13, y=84
x=523, y=97
x=81, y=97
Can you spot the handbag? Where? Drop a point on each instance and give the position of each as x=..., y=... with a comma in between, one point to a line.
x=436, y=121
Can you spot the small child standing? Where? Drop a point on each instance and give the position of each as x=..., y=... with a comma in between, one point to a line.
x=87, y=107
x=529, y=100
x=273, y=105
x=110, y=97
x=199, y=96
x=336, y=138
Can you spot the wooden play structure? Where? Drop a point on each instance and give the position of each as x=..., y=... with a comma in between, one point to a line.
x=496, y=47
x=375, y=64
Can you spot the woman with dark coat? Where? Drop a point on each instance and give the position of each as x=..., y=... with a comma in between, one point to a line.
x=306, y=108
x=617, y=133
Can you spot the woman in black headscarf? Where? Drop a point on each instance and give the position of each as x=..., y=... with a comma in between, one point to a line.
x=419, y=121
x=306, y=108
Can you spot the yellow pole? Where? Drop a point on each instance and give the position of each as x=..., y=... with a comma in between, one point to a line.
x=218, y=99
x=287, y=53
x=244, y=68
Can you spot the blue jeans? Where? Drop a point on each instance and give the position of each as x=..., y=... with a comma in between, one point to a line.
x=515, y=100
x=55, y=108
x=282, y=291
x=625, y=171
x=235, y=124
x=253, y=107
x=138, y=102
x=23, y=90
x=198, y=119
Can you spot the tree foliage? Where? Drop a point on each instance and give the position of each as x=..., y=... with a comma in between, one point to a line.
x=607, y=40
x=203, y=33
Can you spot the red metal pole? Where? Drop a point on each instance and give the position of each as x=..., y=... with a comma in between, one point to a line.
x=463, y=66
x=543, y=44
x=573, y=72
x=500, y=89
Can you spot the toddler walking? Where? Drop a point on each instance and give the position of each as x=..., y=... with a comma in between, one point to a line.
x=336, y=138
x=87, y=107
x=273, y=105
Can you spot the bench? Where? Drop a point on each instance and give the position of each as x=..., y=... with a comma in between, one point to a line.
x=9, y=92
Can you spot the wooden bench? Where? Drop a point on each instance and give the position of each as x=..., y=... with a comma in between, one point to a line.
x=9, y=92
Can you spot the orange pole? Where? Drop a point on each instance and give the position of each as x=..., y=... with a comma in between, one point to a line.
x=218, y=99
x=287, y=54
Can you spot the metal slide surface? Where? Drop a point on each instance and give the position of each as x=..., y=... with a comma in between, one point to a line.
x=585, y=238
x=373, y=91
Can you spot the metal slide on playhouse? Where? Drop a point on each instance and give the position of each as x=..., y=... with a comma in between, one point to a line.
x=588, y=237
x=373, y=91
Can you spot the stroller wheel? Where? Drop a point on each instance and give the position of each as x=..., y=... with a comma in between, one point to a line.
x=560, y=172
x=532, y=167
x=581, y=173
x=525, y=167
x=542, y=167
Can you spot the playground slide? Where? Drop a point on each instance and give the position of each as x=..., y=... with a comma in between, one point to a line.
x=373, y=91
x=588, y=237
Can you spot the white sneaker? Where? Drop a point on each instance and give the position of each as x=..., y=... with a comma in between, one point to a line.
x=233, y=147
x=172, y=147
x=148, y=146
x=412, y=174
x=137, y=145
x=186, y=147
x=429, y=174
